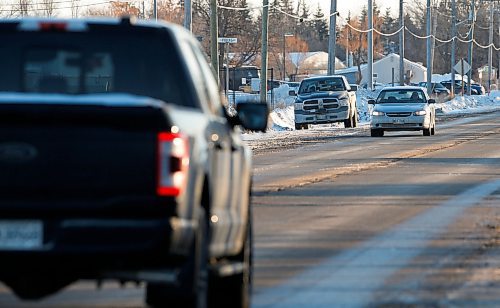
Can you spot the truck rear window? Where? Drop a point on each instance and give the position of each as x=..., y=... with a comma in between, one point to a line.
x=92, y=62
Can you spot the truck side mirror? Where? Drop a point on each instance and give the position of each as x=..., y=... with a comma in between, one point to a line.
x=292, y=93
x=354, y=88
x=371, y=101
x=431, y=101
x=253, y=116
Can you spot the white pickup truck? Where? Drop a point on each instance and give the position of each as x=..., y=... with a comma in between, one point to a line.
x=325, y=99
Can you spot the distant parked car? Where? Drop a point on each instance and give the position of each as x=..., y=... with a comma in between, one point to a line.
x=479, y=88
x=459, y=86
x=403, y=108
x=439, y=92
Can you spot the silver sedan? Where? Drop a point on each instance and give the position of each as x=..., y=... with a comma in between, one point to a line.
x=403, y=109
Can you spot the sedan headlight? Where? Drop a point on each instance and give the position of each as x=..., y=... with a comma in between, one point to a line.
x=420, y=113
x=377, y=113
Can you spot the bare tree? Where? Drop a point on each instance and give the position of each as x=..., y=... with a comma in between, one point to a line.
x=47, y=7
x=75, y=8
x=22, y=7
x=239, y=24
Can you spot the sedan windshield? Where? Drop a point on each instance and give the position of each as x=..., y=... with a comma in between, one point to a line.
x=401, y=96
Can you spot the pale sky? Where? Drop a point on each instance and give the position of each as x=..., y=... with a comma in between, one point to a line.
x=344, y=6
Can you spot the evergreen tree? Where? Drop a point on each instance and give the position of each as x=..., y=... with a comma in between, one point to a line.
x=320, y=25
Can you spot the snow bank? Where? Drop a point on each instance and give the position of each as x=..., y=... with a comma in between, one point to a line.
x=471, y=104
x=282, y=119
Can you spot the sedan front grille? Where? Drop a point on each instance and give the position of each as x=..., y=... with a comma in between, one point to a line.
x=398, y=114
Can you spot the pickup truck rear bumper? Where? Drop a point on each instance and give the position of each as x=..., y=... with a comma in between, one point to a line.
x=88, y=247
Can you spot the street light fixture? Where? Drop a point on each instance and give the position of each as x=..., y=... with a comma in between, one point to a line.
x=284, y=54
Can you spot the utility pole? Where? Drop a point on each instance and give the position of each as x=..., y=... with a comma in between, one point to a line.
x=332, y=38
x=370, y=45
x=401, y=45
x=155, y=10
x=429, y=52
x=472, y=19
x=453, y=45
x=214, y=39
x=265, y=37
x=490, y=49
x=188, y=15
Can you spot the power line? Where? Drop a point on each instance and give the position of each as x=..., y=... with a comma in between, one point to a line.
x=58, y=8
x=276, y=8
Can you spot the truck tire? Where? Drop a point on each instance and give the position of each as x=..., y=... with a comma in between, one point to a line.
x=192, y=290
x=348, y=122
x=235, y=291
x=376, y=133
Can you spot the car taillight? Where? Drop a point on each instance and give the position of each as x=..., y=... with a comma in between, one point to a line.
x=53, y=26
x=173, y=163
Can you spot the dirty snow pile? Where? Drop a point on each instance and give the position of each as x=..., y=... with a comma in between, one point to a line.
x=471, y=104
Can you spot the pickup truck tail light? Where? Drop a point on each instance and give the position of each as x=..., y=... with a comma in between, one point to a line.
x=173, y=163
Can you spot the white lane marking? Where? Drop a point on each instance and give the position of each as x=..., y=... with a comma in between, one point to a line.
x=351, y=278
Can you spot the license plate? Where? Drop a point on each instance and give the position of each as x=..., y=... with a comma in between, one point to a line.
x=398, y=121
x=21, y=234
x=321, y=117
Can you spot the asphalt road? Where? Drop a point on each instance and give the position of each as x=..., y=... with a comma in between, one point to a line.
x=403, y=220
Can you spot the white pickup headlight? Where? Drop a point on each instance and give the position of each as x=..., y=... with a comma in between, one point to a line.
x=420, y=113
x=298, y=105
x=377, y=113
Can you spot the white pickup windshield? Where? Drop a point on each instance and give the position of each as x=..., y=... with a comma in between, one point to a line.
x=322, y=85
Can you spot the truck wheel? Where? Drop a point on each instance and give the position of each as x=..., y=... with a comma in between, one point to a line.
x=376, y=133
x=235, y=291
x=427, y=132
x=192, y=290
x=348, y=122
x=298, y=126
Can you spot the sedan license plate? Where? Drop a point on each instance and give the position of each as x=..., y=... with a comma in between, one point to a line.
x=21, y=234
x=398, y=121
x=321, y=117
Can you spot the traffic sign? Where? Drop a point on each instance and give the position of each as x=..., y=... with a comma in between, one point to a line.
x=460, y=64
x=228, y=40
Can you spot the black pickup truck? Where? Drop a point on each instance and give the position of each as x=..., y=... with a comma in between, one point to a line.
x=119, y=161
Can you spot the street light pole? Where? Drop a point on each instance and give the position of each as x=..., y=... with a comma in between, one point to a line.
x=453, y=45
x=284, y=55
x=401, y=45
x=472, y=19
x=188, y=15
x=370, y=45
x=490, y=50
x=214, y=38
x=332, y=37
x=429, y=55
x=265, y=37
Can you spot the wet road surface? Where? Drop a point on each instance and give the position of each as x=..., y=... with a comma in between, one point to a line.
x=360, y=221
